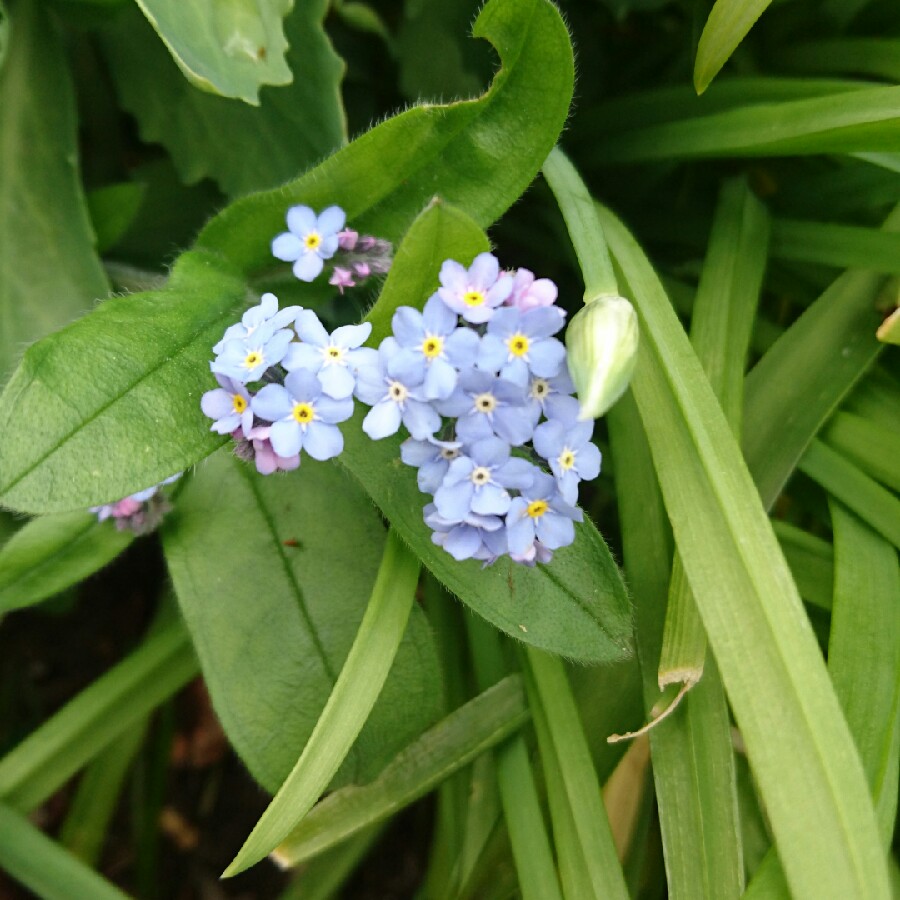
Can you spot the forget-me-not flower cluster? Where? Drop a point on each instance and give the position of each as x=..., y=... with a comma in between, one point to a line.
x=480, y=382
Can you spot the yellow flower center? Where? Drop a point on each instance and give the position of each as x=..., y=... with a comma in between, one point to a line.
x=312, y=240
x=566, y=459
x=238, y=403
x=540, y=387
x=518, y=345
x=333, y=354
x=474, y=298
x=481, y=475
x=432, y=347
x=485, y=403
x=398, y=392
x=253, y=359
x=537, y=508
x=304, y=413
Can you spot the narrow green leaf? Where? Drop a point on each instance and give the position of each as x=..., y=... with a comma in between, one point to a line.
x=51, y=553
x=798, y=384
x=781, y=696
x=842, y=246
x=727, y=25
x=227, y=47
x=579, y=779
x=451, y=744
x=49, y=756
x=349, y=705
x=49, y=272
x=811, y=561
x=878, y=57
x=857, y=121
x=302, y=121
x=152, y=350
x=46, y=868
x=113, y=210
x=316, y=542
x=868, y=499
x=384, y=178
x=872, y=446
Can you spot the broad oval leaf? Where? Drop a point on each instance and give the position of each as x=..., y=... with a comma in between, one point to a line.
x=273, y=624
x=51, y=553
x=227, y=47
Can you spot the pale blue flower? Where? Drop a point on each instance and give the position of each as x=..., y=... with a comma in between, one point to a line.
x=334, y=357
x=551, y=397
x=475, y=292
x=264, y=316
x=431, y=341
x=302, y=416
x=246, y=358
x=519, y=345
x=540, y=513
x=432, y=458
x=479, y=482
x=395, y=396
x=565, y=444
x=309, y=240
x=479, y=537
x=229, y=405
x=486, y=406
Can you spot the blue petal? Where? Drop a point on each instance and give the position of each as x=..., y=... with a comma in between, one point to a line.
x=332, y=410
x=272, y=403
x=490, y=452
x=302, y=356
x=417, y=453
x=227, y=424
x=431, y=475
x=217, y=403
x=328, y=247
x=303, y=385
x=588, y=462
x=461, y=347
x=407, y=326
x=462, y=542
x=352, y=336
x=437, y=318
x=287, y=247
x=382, y=420
x=331, y=220
x=504, y=323
x=286, y=437
x=457, y=404
x=308, y=267
x=568, y=486
x=364, y=356
x=516, y=371
x=549, y=439
x=440, y=380
x=310, y=329
x=276, y=347
x=454, y=501
x=519, y=532
x=484, y=270
x=323, y=441
x=542, y=322
x=408, y=367
x=492, y=354
x=555, y=531
x=370, y=385
x=459, y=470
x=453, y=275
x=491, y=500
x=546, y=357
x=473, y=428
x=337, y=381
x=512, y=426
x=420, y=419
x=301, y=220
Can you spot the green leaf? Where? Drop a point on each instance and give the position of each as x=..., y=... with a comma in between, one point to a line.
x=461, y=151
x=51, y=872
x=49, y=272
x=871, y=445
x=227, y=47
x=857, y=121
x=315, y=542
x=878, y=57
x=797, y=741
x=811, y=560
x=302, y=122
x=451, y=744
x=349, y=704
x=842, y=246
x=129, y=377
x=727, y=25
x=113, y=209
x=51, y=553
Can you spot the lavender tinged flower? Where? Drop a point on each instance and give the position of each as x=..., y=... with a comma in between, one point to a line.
x=334, y=357
x=479, y=482
x=302, y=416
x=433, y=346
x=530, y=293
x=551, y=397
x=395, y=395
x=309, y=240
x=565, y=444
x=263, y=316
x=229, y=405
x=432, y=458
x=519, y=345
x=479, y=537
x=257, y=447
x=486, y=406
x=247, y=358
x=475, y=292
x=540, y=513
x=140, y=512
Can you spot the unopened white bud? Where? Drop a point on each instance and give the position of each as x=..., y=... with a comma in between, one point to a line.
x=602, y=343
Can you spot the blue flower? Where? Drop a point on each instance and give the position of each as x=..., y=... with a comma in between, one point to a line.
x=431, y=341
x=247, y=358
x=266, y=315
x=334, y=357
x=540, y=513
x=479, y=482
x=309, y=240
x=552, y=397
x=519, y=344
x=486, y=406
x=302, y=416
x=565, y=444
x=395, y=396
x=432, y=458
x=229, y=405
x=475, y=292
x=479, y=537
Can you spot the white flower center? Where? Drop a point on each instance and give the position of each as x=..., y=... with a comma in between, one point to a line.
x=480, y=475
x=485, y=403
x=333, y=356
x=398, y=392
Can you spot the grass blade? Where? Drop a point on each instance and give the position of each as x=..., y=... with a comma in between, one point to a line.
x=869, y=444
x=811, y=561
x=843, y=246
x=727, y=25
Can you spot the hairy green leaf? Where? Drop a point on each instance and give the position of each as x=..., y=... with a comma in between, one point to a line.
x=49, y=272
x=273, y=634
x=227, y=47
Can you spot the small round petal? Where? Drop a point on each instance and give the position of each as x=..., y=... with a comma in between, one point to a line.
x=408, y=327
x=302, y=356
x=272, y=403
x=437, y=317
x=453, y=275
x=462, y=542
x=337, y=381
x=554, y=531
x=492, y=354
x=217, y=403
x=301, y=220
x=382, y=420
x=370, y=385
x=461, y=347
x=417, y=453
x=440, y=380
x=512, y=426
x=352, y=336
x=311, y=330
x=484, y=270
x=303, y=385
x=589, y=461
x=331, y=220
x=454, y=501
x=286, y=437
x=420, y=419
x=287, y=247
x=308, y=267
x=334, y=409
x=323, y=441
x=546, y=357
x=491, y=500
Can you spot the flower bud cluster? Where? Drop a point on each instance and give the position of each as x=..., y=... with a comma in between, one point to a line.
x=141, y=512
x=481, y=384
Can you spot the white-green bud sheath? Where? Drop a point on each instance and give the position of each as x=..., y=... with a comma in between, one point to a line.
x=602, y=343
